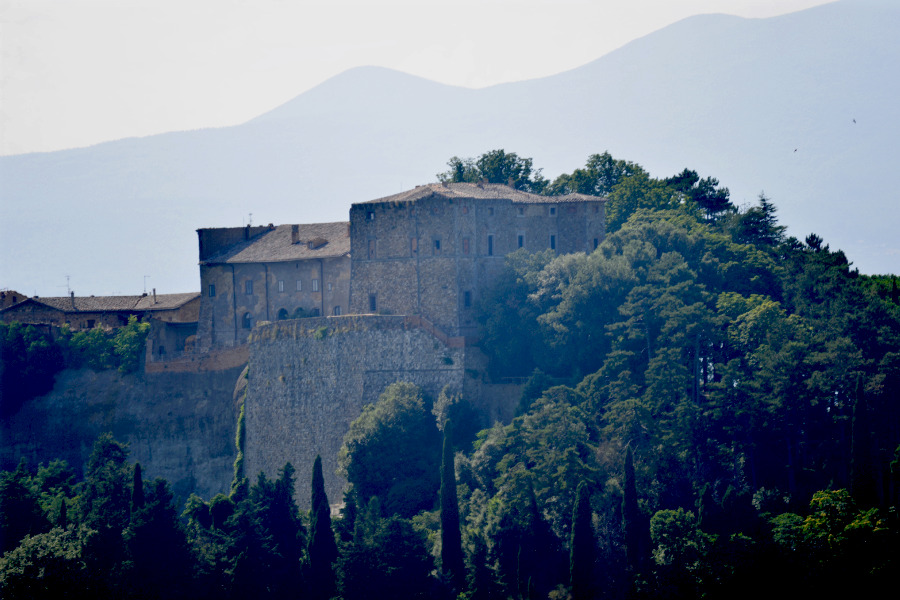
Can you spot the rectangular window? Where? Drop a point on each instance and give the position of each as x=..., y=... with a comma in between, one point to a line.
x=371, y=249
x=491, y=211
x=465, y=245
x=596, y=243
x=330, y=287
x=248, y=287
x=520, y=241
x=373, y=303
x=552, y=242
x=437, y=247
x=281, y=285
x=212, y=290
x=299, y=285
x=315, y=285
x=521, y=211
x=490, y=249
x=337, y=311
x=467, y=299
x=552, y=210
x=413, y=245
x=91, y=323
x=370, y=215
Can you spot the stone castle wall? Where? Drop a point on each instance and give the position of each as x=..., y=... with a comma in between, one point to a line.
x=310, y=379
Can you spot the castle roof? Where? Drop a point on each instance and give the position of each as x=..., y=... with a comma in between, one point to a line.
x=281, y=244
x=482, y=191
x=144, y=303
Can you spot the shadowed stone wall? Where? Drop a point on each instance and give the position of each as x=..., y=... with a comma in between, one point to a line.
x=310, y=378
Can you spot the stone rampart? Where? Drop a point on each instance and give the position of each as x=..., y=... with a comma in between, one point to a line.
x=310, y=378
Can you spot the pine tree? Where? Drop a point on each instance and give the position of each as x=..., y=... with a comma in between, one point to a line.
x=862, y=482
x=451, y=540
x=583, y=549
x=322, y=550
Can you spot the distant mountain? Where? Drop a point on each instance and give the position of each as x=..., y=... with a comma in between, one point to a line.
x=803, y=106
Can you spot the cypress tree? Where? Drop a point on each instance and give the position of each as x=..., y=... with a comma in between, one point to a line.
x=451, y=539
x=862, y=481
x=137, y=489
x=322, y=550
x=631, y=517
x=583, y=549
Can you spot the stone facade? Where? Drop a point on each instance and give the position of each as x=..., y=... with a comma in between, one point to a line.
x=251, y=275
x=431, y=251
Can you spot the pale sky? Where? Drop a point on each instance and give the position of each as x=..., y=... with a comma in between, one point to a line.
x=78, y=72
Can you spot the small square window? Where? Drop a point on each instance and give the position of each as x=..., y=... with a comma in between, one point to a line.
x=521, y=211
x=491, y=211
x=370, y=215
x=212, y=290
x=552, y=210
x=337, y=311
x=437, y=246
x=329, y=286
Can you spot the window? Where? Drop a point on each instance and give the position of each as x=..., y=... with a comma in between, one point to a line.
x=212, y=290
x=370, y=215
x=247, y=321
x=596, y=208
x=413, y=245
x=521, y=211
x=315, y=285
x=329, y=286
x=248, y=287
x=281, y=285
x=467, y=299
x=91, y=323
x=299, y=285
x=282, y=314
x=465, y=245
x=552, y=241
x=373, y=303
x=337, y=311
x=437, y=246
x=596, y=243
x=490, y=251
x=552, y=210
x=371, y=249
x=491, y=211
x=520, y=240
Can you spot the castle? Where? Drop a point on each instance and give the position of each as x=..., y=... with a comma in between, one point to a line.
x=430, y=251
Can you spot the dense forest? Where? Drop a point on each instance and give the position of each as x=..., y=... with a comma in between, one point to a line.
x=711, y=409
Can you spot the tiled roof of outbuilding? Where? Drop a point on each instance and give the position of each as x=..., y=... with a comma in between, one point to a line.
x=485, y=191
x=275, y=245
x=113, y=303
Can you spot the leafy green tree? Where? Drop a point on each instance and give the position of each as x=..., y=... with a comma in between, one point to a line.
x=20, y=508
x=137, y=489
x=392, y=451
x=29, y=362
x=322, y=551
x=451, y=539
x=129, y=343
x=601, y=173
x=496, y=166
x=582, y=549
x=46, y=566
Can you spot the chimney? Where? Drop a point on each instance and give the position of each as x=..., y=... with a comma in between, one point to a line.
x=348, y=229
x=154, y=295
x=295, y=234
x=72, y=295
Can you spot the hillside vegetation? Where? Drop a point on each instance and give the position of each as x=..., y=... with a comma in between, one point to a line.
x=712, y=409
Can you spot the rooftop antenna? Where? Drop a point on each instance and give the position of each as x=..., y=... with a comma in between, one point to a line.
x=68, y=289
x=145, y=284
x=250, y=220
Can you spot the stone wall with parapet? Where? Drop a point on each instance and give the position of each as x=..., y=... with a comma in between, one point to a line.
x=309, y=380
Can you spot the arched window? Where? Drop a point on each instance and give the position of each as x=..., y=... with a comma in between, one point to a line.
x=282, y=314
x=247, y=321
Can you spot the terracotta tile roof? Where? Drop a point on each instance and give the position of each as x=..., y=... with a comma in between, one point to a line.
x=487, y=191
x=112, y=303
x=275, y=245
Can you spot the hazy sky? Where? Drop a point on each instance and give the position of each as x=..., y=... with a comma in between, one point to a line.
x=78, y=72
